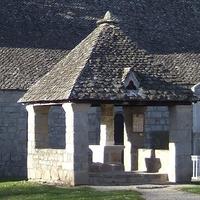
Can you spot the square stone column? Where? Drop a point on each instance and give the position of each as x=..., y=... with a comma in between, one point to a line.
x=180, y=144
x=132, y=140
x=37, y=133
x=76, y=143
x=196, y=129
x=127, y=138
x=107, y=125
x=31, y=141
x=106, y=133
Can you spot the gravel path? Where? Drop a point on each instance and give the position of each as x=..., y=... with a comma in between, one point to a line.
x=167, y=193
x=159, y=192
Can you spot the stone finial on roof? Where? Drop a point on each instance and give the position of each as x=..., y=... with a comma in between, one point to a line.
x=109, y=18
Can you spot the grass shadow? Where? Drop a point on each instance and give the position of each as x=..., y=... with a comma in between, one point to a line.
x=18, y=190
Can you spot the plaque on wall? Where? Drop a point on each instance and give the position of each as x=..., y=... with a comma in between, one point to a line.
x=138, y=123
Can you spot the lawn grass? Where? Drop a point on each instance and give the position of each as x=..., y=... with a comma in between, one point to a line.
x=193, y=188
x=22, y=190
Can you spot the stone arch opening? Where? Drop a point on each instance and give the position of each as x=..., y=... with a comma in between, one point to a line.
x=119, y=129
x=50, y=127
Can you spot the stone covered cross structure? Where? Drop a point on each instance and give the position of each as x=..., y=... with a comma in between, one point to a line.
x=70, y=165
x=94, y=74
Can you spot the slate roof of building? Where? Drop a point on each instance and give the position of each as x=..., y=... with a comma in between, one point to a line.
x=94, y=70
x=20, y=67
x=35, y=35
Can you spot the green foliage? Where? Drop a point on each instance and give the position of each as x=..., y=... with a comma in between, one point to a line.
x=32, y=191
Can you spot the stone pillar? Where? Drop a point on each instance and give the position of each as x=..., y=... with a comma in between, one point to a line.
x=127, y=139
x=76, y=163
x=107, y=125
x=37, y=133
x=31, y=141
x=196, y=128
x=180, y=144
x=132, y=140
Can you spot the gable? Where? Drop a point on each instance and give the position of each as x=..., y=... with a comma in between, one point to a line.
x=129, y=80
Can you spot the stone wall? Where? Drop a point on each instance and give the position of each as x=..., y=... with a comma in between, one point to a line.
x=13, y=135
x=94, y=117
x=156, y=122
x=13, y=131
x=57, y=127
x=68, y=165
x=48, y=165
x=157, y=127
x=156, y=119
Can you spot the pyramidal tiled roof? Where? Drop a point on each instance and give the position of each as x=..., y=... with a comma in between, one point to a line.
x=94, y=70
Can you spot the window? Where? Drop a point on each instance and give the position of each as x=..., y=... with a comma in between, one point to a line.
x=131, y=83
x=130, y=80
x=131, y=86
x=119, y=129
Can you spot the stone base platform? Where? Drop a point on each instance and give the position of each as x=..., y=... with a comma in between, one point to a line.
x=126, y=178
x=105, y=167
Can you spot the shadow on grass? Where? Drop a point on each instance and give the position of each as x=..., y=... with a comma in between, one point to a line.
x=195, y=183
x=31, y=191
x=2, y=180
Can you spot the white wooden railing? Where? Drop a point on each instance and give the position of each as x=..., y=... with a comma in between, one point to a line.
x=196, y=167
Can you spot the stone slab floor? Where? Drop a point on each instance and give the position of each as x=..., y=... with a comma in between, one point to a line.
x=153, y=192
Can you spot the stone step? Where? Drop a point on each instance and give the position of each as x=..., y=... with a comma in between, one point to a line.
x=127, y=178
